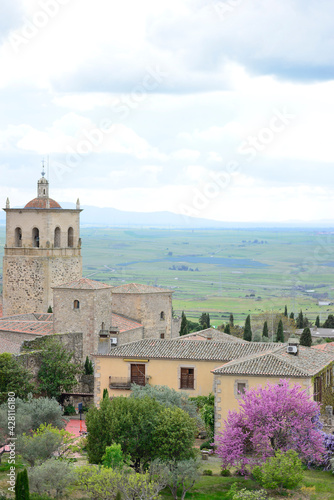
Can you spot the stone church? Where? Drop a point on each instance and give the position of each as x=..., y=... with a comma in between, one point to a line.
x=42, y=268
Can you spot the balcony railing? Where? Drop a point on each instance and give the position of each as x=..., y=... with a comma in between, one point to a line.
x=120, y=383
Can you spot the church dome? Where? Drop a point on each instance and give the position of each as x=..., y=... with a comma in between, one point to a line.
x=42, y=203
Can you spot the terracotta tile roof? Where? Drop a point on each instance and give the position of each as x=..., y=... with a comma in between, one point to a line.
x=123, y=323
x=24, y=326
x=328, y=346
x=189, y=349
x=29, y=317
x=84, y=284
x=138, y=288
x=215, y=334
x=1, y=310
x=278, y=363
x=42, y=203
x=9, y=346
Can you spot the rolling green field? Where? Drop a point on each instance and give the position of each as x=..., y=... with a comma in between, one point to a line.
x=218, y=271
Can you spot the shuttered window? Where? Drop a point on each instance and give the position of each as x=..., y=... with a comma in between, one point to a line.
x=187, y=378
x=138, y=374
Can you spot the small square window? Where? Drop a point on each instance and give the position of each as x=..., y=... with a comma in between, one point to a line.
x=241, y=388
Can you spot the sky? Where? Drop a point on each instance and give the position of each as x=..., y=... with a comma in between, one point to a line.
x=214, y=109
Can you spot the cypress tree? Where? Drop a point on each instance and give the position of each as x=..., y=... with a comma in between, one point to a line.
x=49, y=309
x=89, y=370
x=265, y=330
x=231, y=320
x=292, y=316
x=247, y=330
x=227, y=328
x=22, y=486
x=317, y=322
x=300, y=320
x=306, y=338
x=184, y=324
x=286, y=312
x=280, y=332
x=105, y=394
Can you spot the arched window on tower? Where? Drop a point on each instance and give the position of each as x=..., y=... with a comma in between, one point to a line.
x=57, y=237
x=35, y=237
x=162, y=316
x=18, y=237
x=76, y=304
x=70, y=237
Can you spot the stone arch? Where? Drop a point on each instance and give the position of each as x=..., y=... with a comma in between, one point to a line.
x=35, y=237
x=70, y=237
x=18, y=237
x=57, y=237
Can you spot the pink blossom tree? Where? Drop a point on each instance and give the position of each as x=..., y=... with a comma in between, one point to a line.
x=274, y=417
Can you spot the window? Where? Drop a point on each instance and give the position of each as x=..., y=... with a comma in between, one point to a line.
x=162, y=316
x=70, y=237
x=18, y=237
x=76, y=304
x=138, y=374
x=240, y=388
x=35, y=237
x=57, y=237
x=162, y=335
x=187, y=378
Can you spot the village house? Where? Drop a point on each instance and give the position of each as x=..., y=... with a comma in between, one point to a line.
x=312, y=369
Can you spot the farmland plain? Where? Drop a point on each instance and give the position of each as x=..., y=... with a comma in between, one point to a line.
x=240, y=271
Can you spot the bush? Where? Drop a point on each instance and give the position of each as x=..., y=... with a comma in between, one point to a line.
x=284, y=470
x=247, y=494
x=69, y=410
x=207, y=445
x=225, y=473
x=207, y=472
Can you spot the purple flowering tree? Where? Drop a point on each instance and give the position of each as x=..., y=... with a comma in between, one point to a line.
x=274, y=417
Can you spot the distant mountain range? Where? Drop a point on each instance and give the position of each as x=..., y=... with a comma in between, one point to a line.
x=95, y=216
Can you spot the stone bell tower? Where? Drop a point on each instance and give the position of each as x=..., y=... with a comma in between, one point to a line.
x=42, y=250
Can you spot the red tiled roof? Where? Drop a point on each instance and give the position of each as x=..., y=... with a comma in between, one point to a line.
x=84, y=284
x=328, y=346
x=124, y=324
x=9, y=346
x=42, y=203
x=138, y=288
x=1, y=310
x=33, y=327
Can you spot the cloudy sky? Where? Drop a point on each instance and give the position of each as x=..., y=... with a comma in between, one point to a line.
x=216, y=109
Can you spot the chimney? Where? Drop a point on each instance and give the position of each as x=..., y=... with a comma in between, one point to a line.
x=209, y=336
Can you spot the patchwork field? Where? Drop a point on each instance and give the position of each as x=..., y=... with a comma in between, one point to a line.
x=218, y=271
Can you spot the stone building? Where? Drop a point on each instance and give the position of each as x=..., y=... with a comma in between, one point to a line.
x=42, y=250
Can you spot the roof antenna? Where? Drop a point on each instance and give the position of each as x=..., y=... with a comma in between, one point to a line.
x=48, y=168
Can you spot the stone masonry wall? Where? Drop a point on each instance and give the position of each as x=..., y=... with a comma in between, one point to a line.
x=28, y=281
x=146, y=308
x=94, y=309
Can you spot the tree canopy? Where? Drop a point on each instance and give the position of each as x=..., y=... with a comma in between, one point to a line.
x=271, y=418
x=13, y=378
x=280, y=332
x=329, y=323
x=57, y=371
x=306, y=337
x=133, y=422
x=247, y=329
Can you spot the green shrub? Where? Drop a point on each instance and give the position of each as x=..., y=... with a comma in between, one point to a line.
x=207, y=472
x=206, y=445
x=69, y=410
x=225, y=473
x=284, y=470
x=250, y=495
